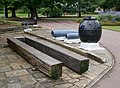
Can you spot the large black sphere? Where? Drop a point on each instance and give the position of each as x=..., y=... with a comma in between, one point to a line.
x=90, y=30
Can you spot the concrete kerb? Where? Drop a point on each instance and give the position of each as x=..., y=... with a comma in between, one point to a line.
x=104, y=72
x=84, y=53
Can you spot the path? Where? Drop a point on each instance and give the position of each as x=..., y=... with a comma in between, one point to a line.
x=58, y=24
x=110, y=39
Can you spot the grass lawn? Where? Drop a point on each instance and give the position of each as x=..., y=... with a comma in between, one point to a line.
x=114, y=28
x=21, y=15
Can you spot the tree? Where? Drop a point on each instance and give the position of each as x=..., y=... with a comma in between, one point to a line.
x=75, y=5
x=107, y=4
x=14, y=5
x=118, y=5
x=32, y=5
x=5, y=3
x=80, y=3
x=53, y=8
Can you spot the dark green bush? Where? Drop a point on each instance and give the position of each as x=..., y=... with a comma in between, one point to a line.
x=23, y=9
x=55, y=12
x=51, y=12
x=106, y=17
x=109, y=17
x=117, y=18
x=45, y=11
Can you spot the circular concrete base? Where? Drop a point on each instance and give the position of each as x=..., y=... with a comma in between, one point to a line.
x=90, y=46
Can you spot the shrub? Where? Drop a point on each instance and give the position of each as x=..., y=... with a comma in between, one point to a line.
x=23, y=9
x=45, y=11
x=109, y=16
x=55, y=12
x=117, y=18
x=51, y=12
x=105, y=17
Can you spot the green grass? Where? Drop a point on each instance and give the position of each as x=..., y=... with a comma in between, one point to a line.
x=17, y=23
x=21, y=15
x=114, y=28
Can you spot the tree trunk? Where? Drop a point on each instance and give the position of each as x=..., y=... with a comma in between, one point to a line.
x=13, y=13
x=104, y=9
x=79, y=9
x=79, y=14
x=33, y=12
x=47, y=14
x=6, y=12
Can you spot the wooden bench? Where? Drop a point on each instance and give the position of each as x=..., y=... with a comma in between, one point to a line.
x=27, y=23
x=34, y=22
x=70, y=59
x=43, y=62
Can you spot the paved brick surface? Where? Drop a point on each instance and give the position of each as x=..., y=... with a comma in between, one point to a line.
x=18, y=73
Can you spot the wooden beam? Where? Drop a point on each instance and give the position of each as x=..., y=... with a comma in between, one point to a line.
x=70, y=59
x=43, y=62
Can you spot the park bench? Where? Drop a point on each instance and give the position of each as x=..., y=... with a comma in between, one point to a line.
x=41, y=61
x=26, y=24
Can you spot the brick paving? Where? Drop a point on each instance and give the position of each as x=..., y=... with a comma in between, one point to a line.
x=15, y=72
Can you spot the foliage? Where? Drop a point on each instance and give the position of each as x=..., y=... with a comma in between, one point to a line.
x=89, y=6
x=110, y=16
x=109, y=4
x=45, y=11
x=50, y=7
x=4, y=2
x=55, y=12
x=23, y=10
x=16, y=4
x=118, y=5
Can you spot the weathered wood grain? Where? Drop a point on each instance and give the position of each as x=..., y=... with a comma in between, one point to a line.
x=43, y=62
x=70, y=59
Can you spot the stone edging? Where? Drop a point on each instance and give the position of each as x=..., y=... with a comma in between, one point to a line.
x=105, y=72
